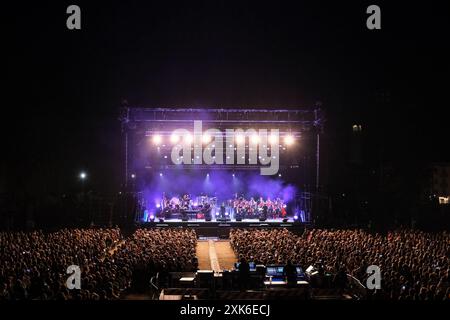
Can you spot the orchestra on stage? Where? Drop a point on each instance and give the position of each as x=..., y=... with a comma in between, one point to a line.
x=206, y=207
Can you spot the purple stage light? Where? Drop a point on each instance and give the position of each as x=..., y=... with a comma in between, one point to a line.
x=158, y=205
x=175, y=183
x=152, y=216
x=296, y=217
x=227, y=214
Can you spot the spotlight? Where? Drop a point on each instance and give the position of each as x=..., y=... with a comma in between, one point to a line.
x=255, y=138
x=296, y=217
x=174, y=138
x=206, y=138
x=157, y=139
x=233, y=175
x=158, y=205
x=273, y=139
x=288, y=140
x=207, y=175
x=83, y=175
x=240, y=139
x=227, y=214
x=279, y=174
x=152, y=217
x=133, y=176
x=160, y=174
x=189, y=138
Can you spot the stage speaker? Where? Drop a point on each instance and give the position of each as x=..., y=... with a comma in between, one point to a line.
x=262, y=218
x=208, y=218
x=161, y=220
x=285, y=220
x=238, y=218
x=184, y=218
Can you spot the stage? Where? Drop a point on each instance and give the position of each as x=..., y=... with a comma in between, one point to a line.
x=213, y=168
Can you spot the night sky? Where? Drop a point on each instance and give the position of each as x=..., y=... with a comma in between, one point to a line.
x=64, y=88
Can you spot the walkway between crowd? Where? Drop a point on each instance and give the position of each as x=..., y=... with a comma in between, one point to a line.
x=215, y=255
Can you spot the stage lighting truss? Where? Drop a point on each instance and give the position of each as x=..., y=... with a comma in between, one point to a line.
x=157, y=125
x=166, y=139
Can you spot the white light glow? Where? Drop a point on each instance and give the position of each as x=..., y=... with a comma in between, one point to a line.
x=189, y=138
x=174, y=138
x=157, y=139
x=273, y=139
x=240, y=139
x=288, y=140
x=255, y=138
x=206, y=138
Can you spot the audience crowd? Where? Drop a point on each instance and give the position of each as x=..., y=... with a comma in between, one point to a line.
x=33, y=265
x=414, y=265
